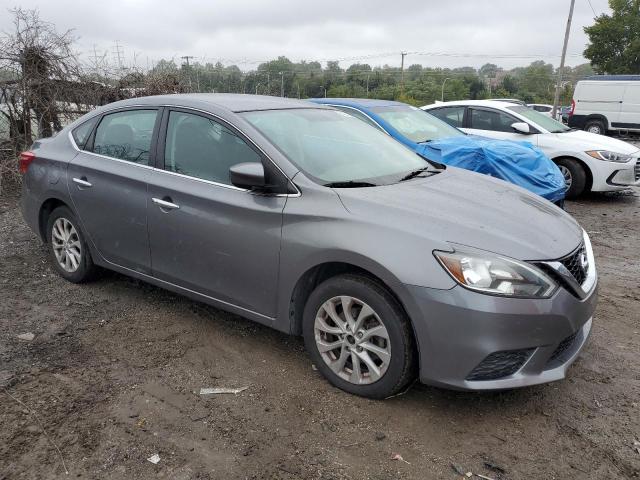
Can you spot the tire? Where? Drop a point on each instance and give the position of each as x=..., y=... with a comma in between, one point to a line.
x=396, y=372
x=575, y=177
x=79, y=267
x=595, y=126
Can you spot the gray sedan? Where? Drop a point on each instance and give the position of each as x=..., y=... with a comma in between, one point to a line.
x=306, y=219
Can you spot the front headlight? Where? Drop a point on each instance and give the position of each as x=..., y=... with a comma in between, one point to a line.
x=496, y=275
x=608, y=156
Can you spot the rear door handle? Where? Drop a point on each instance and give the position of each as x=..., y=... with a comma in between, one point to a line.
x=165, y=204
x=82, y=182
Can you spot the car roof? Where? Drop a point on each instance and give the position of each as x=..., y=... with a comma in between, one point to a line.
x=234, y=102
x=477, y=103
x=613, y=78
x=357, y=102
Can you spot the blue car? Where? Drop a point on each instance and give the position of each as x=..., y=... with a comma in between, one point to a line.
x=519, y=163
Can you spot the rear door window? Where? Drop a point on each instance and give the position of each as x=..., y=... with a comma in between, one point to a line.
x=126, y=135
x=454, y=116
x=493, y=120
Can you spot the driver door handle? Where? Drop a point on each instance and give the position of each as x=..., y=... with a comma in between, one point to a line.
x=165, y=204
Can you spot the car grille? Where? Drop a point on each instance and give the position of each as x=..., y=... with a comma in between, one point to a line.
x=563, y=350
x=500, y=364
x=637, y=169
x=574, y=264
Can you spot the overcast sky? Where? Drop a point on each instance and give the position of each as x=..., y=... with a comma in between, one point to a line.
x=369, y=31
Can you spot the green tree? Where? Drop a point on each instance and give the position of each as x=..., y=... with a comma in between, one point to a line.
x=488, y=70
x=615, y=39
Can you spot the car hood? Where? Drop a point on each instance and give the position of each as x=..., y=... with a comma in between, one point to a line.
x=584, y=141
x=466, y=208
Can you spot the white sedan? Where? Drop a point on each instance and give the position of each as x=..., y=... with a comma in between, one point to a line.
x=589, y=162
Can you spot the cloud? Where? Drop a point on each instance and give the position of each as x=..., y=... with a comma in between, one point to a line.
x=247, y=32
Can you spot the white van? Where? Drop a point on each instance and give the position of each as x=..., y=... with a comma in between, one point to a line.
x=606, y=103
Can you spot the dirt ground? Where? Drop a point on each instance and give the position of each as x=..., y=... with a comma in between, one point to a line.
x=113, y=374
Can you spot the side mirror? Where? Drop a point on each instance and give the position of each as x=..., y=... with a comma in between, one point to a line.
x=521, y=127
x=248, y=175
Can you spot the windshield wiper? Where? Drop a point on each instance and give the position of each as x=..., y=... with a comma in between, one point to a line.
x=414, y=174
x=350, y=184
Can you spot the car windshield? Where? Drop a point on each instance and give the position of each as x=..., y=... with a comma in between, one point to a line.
x=544, y=121
x=415, y=124
x=333, y=147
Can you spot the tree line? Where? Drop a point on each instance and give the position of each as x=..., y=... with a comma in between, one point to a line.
x=44, y=84
x=416, y=85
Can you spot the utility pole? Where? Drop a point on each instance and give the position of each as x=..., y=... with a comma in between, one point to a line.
x=98, y=62
x=404, y=54
x=281, y=84
x=186, y=58
x=556, y=98
x=367, y=85
x=117, y=51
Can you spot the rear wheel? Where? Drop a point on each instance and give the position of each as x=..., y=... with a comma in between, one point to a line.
x=68, y=250
x=359, y=337
x=595, y=126
x=575, y=178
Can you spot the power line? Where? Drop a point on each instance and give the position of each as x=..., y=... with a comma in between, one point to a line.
x=592, y=9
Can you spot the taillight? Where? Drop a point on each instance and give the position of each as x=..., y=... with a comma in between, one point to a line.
x=573, y=107
x=25, y=160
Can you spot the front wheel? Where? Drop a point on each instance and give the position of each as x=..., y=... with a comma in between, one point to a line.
x=359, y=337
x=575, y=178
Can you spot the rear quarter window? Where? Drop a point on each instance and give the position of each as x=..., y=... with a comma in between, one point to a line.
x=81, y=133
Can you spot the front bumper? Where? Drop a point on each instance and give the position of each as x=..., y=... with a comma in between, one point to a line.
x=611, y=176
x=460, y=332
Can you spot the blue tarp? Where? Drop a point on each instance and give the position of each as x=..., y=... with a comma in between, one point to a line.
x=517, y=162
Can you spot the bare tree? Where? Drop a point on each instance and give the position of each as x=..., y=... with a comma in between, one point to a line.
x=37, y=63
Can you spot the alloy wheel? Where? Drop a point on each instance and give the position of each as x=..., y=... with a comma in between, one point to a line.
x=594, y=129
x=66, y=245
x=352, y=340
x=566, y=173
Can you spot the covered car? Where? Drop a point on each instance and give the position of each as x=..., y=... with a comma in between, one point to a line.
x=519, y=163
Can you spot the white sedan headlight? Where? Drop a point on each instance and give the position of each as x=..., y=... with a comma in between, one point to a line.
x=608, y=156
x=496, y=275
